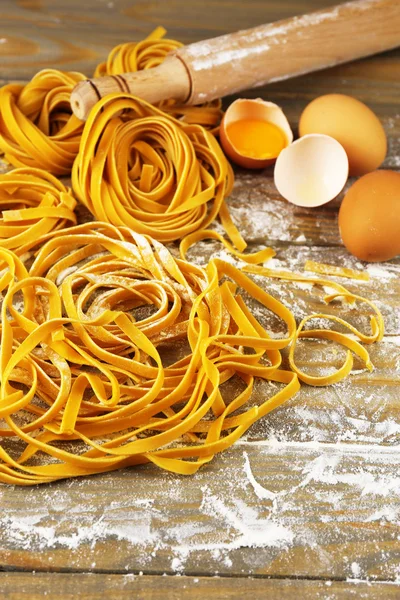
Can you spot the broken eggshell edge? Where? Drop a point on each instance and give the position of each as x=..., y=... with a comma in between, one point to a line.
x=314, y=159
x=246, y=108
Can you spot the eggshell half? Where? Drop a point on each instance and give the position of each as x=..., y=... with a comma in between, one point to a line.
x=243, y=109
x=311, y=171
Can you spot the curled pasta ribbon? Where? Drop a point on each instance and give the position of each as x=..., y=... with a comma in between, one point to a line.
x=204, y=234
x=137, y=56
x=151, y=52
x=150, y=172
x=83, y=374
x=377, y=327
x=33, y=203
x=37, y=127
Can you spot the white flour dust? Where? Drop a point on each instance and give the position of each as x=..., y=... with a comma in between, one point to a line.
x=240, y=513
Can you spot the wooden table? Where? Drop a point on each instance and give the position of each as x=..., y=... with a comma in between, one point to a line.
x=307, y=505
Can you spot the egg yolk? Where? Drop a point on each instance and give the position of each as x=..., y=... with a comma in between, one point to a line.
x=255, y=138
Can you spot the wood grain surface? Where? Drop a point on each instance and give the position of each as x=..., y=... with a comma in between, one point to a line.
x=123, y=587
x=266, y=509
x=307, y=503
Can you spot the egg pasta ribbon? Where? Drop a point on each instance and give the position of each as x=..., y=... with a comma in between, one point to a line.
x=33, y=203
x=353, y=346
x=149, y=172
x=137, y=56
x=88, y=373
x=37, y=127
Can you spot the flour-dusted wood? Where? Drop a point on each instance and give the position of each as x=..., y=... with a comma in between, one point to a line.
x=251, y=58
x=269, y=508
x=342, y=439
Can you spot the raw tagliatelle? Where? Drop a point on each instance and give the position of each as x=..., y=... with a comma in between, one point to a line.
x=37, y=127
x=33, y=203
x=151, y=52
x=86, y=371
x=137, y=56
x=353, y=346
x=114, y=353
x=146, y=170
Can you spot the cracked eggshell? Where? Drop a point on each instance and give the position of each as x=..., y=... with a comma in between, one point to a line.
x=312, y=171
x=243, y=109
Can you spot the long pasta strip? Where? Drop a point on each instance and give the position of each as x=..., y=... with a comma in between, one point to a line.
x=377, y=326
x=148, y=171
x=37, y=127
x=87, y=369
x=33, y=203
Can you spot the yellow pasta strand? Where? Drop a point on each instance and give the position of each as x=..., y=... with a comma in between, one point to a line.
x=148, y=171
x=316, y=267
x=84, y=363
x=151, y=52
x=33, y=203
x=137, y=56
x=37, y=127
x=377, y=326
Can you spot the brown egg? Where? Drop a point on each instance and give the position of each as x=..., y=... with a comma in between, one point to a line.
x=369, y=217
x=352, y=124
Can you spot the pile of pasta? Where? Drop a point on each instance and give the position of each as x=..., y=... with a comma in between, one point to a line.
x=116, y=350
x=33, y=204
x=37, y=127
x=147, y=170
x=90, y=370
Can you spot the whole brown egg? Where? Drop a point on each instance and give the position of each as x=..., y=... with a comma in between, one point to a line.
x=369, y=217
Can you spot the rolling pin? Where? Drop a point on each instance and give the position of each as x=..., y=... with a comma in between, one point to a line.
x=230, y=63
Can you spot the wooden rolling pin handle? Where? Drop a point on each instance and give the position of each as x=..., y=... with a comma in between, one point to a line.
x=230, y=63
x=169, y=80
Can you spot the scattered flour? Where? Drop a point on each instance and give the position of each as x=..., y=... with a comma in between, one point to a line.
x=380, y=273
x=236, y=512
x=300, y=238
x=261, y=492
x=355, y=569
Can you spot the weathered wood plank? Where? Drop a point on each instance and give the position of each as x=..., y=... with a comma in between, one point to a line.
x=76, y=35
x=65, y=586
x=316, y=510
x=263, y=216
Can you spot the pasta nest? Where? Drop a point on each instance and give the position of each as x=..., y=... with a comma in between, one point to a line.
x=89, y=377
x=37, y=127
x=151, y=52
x=137, y=56
x=33, y=203
x=144, y=169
